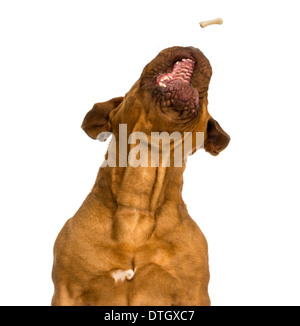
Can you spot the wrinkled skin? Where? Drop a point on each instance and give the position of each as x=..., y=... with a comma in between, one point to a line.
x=135, y=218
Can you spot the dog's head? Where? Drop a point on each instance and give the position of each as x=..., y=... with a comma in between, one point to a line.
x=171, y=95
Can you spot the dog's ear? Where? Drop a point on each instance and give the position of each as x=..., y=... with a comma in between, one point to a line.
x=97, y=120
x=217, y=139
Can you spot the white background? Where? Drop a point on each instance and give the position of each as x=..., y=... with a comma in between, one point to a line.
x=60, y=57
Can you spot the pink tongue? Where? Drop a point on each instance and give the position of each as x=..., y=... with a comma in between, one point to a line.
x=182, y=71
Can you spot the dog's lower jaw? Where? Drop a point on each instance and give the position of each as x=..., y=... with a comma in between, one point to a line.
x=184, y=101
x=175, y=91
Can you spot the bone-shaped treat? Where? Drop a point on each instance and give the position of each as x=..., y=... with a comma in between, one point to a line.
x=218, y=21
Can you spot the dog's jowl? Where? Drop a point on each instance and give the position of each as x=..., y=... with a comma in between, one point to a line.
x=132, y=241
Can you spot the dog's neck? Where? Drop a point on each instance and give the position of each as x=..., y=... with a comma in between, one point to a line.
x=141, y=199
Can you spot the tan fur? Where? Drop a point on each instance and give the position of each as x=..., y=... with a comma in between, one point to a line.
x=135, y=218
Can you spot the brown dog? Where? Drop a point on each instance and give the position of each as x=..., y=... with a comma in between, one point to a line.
x=132, y=242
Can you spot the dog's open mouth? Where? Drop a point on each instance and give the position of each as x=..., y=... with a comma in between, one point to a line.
x=175, y=90
x=181, y=71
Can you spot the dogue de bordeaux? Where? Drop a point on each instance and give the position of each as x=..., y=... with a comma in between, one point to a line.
x=132, y=241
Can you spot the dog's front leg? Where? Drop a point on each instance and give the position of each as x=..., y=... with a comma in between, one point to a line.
x=63, y=297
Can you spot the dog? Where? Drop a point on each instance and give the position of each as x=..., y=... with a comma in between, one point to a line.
x=132, y=242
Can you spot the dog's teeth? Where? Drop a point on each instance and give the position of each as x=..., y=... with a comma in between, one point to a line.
x=189, y=60
x=162, y=84
x=183, y=59
x=177, y=63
